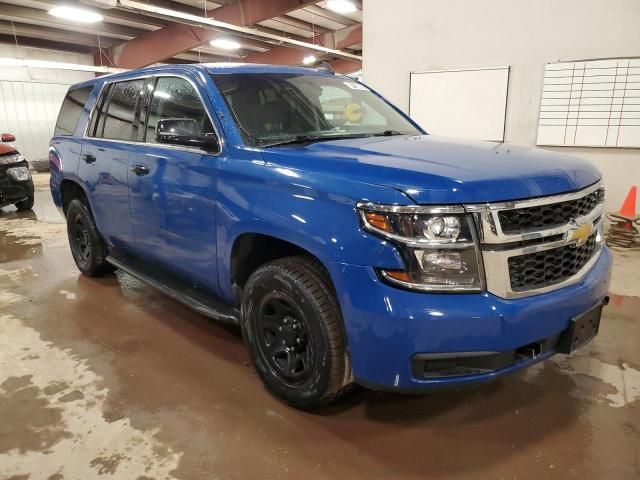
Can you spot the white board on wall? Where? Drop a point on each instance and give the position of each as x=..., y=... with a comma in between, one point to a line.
x=592, y=103
x=469, y=103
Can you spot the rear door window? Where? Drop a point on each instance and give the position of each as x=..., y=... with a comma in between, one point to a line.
x=117, y=118
x=71, y=109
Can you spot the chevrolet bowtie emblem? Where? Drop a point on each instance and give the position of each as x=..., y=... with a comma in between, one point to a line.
x=580, y=232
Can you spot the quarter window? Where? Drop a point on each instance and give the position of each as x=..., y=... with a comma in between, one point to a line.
x=71, y=109
x=176, y=98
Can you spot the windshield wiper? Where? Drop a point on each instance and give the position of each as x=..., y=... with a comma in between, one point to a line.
x=388, y=133
x=313, y=138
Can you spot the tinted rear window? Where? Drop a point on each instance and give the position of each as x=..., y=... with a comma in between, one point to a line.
x=71, y=110
x=117, y=117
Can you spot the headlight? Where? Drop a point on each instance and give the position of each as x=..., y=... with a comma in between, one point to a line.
x=13, y=158
x=19, y=174
x=438, y=244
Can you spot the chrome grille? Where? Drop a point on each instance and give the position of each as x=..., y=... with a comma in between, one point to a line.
x=539, y=245
x=549, y=267
x=539, y=217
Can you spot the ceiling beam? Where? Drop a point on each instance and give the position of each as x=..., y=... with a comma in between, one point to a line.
x=9, y=39
x=200, y=58
x=343, y=38
x=34, y=16
x=344, y=66
x=300, y=24
x=111, y=15
x=336, y=17
x=37, y=32
x=167, y=42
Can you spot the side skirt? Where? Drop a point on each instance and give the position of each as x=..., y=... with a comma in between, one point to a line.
x=193, y=297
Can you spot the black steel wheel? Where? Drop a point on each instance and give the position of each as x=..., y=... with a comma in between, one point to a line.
x=283, y=338
x=292, y=326
x=87, y=247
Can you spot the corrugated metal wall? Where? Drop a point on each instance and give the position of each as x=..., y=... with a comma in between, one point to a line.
x=30, y=98
x=29, y=110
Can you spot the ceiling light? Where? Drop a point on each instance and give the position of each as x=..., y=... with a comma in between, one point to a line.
x=76, y=14
x=225, y=44
x=309, y=59
x=341, y=6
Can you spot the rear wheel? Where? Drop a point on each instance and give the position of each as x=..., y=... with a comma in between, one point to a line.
x=87, y=247
x=292, y=326
x=26, y=204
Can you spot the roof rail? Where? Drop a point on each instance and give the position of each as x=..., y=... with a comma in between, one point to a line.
x=326, y=66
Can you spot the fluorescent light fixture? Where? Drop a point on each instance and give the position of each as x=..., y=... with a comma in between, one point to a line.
x=74, y=14
x=309, y=59
x=225, y=44
x=161, y=94
x=341, y=6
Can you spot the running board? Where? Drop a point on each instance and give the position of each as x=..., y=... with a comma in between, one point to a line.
x=195, y=298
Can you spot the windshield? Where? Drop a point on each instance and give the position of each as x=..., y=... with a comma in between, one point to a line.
x=275, y=108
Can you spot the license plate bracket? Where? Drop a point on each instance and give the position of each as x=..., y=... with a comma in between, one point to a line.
x=581, y=331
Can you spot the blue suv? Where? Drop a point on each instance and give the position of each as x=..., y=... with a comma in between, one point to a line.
x=348, y=244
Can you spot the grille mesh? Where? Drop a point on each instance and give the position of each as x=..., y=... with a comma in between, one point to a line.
x=542, y=269
x=542, y=217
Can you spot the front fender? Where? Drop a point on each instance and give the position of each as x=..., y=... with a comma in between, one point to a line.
x=314, y=212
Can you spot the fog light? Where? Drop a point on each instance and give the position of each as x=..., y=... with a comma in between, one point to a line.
x=19, y=174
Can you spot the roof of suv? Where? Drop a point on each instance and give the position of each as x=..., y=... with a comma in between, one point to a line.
x=211, y=68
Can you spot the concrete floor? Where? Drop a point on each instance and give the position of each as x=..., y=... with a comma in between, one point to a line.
x=109, y=379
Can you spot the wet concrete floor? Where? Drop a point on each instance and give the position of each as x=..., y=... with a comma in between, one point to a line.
x=107, y=378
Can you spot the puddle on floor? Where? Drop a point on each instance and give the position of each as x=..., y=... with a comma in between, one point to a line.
x=12, y=248
x=23, y=234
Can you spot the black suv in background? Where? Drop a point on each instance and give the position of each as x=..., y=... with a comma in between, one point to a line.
x=16, y=185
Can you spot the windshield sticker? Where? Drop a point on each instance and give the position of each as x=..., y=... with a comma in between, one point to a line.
x=355, y=86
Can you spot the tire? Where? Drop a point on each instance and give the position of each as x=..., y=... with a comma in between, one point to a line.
x=87, y=247
x=26, y=204
x=292, y=326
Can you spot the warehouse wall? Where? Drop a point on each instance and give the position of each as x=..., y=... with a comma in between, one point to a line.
x=30, y=98
x=400, y=37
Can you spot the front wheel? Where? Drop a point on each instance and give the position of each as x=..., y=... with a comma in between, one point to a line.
x=292, y=325
x=87, y=247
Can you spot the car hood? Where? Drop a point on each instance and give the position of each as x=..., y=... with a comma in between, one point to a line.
x=439, y=170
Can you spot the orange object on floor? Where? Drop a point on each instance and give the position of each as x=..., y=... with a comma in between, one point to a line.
x=628, y=208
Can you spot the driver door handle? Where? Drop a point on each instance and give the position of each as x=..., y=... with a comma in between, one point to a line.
x=140, y=169
x=87, y=157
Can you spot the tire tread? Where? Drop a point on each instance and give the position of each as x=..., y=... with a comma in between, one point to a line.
x=310, y=275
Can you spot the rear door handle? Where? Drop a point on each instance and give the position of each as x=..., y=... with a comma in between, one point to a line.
x=140, y=169
x=87, y=157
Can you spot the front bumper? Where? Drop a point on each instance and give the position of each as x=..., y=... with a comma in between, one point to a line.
x=388, y=328
x=13, y=191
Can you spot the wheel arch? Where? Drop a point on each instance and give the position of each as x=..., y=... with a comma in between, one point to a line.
x=250, y=250
x=71, y=190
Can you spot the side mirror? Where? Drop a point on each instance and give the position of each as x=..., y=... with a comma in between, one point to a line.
x=7, y=137
x=184, y=131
